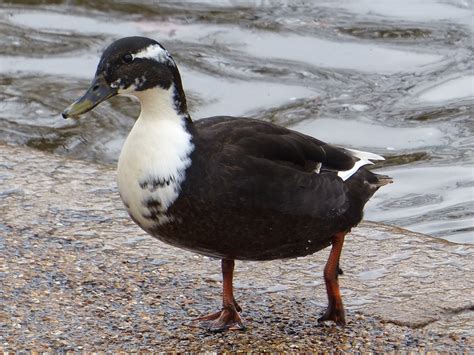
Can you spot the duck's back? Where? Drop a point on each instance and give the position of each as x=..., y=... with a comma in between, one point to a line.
x=258, y=191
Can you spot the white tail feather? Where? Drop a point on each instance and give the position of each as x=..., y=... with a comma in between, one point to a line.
x=364, y=159
x=365, y=155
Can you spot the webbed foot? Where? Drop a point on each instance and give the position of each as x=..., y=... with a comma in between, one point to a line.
x=335, y=313
x=227, y=319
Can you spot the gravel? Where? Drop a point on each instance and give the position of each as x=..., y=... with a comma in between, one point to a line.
x=77, y=275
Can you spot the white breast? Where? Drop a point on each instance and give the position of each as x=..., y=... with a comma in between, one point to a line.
x=152, y=166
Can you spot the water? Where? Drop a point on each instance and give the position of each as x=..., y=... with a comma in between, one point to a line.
x=395, y=78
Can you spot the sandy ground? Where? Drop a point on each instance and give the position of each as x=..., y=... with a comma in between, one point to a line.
x=77, y=274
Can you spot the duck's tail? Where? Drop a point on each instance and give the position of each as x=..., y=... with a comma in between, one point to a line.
x=382, y=180
x=364, y=184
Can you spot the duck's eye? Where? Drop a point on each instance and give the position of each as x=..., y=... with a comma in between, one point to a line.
x=127, y=58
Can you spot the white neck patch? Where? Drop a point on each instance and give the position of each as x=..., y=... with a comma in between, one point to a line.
x=155, y=52
x=154, y=159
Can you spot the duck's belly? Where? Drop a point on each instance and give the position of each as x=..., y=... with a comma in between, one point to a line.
x=237, y=232
x=243, y=234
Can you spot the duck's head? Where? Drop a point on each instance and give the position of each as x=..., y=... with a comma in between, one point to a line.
x=133, y=66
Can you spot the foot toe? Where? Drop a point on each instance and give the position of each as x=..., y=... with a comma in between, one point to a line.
x=227, y=319
x=336, y=315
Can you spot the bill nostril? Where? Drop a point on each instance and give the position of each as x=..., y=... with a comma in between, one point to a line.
x=95, y=88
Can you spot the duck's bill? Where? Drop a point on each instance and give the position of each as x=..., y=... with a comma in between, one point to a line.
x=98, y=92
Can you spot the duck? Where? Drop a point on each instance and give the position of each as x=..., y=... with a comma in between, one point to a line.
x=232, y=188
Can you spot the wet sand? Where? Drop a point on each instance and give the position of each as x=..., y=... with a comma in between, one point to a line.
x=77, y=274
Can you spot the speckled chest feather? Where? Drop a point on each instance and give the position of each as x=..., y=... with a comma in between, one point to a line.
x=152, y=166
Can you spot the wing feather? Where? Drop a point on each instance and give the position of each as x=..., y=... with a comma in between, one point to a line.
x=284, y=146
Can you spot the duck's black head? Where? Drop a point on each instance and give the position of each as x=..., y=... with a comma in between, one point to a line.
x=130, y=66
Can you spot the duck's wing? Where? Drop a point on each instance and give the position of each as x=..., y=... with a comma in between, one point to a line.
x=283, y=146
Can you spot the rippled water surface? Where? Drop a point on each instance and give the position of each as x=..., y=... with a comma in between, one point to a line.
x=392, y=77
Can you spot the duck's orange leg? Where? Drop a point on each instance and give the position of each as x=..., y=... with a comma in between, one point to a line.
x=335, y=310
x=228, y=318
